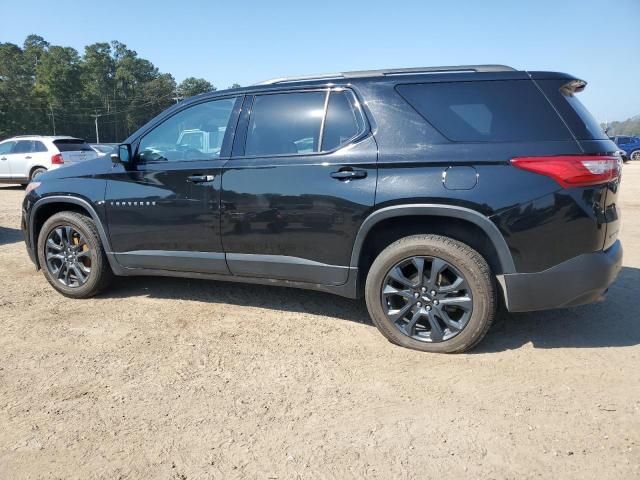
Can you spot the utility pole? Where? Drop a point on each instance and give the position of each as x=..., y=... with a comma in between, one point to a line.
x=53, y=119
x=178, y=97
x=95, y=116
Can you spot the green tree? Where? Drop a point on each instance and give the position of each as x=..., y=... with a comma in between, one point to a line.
x=194, y=86
x=42, y=85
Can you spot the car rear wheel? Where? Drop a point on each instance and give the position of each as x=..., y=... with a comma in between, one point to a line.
x=71, y=255
x=635, y=155
x=431, y=293
x=36, y=172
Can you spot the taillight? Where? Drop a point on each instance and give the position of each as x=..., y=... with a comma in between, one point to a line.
x=57, y=159
x=572, y=170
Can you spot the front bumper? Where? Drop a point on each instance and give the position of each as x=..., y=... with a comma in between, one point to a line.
x=24, y=224
x=581, y=280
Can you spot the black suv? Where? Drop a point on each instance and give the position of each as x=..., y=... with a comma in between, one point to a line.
x=435, y=193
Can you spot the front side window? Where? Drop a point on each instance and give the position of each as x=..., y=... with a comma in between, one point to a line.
x=6, y=147
x=285, y=124
x=196, y=133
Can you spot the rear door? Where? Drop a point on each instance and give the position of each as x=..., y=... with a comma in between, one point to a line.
x=19, y=159
x=301, y=180
x=40, y=156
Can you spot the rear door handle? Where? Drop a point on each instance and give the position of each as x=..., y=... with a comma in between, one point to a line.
x=348, y=174
x=200, y=178
x=28, y=157
x=3, y=158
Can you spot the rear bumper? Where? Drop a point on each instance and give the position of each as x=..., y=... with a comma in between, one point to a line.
x=581, y=280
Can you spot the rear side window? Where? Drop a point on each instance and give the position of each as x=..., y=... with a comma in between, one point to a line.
x=286, y=123
x=343, y=121
x=22, y=146
x=72, y=145
x=38, y=147
x=578, y=118
x=486, y=111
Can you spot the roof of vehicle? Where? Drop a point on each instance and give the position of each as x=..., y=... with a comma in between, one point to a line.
x=453, y=73
x=44, y=137
x=392, y=72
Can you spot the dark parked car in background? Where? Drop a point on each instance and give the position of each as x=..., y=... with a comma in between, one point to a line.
x=630, y=145
x=434, y=193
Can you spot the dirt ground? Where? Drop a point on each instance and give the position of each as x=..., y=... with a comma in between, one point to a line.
x=183, y=379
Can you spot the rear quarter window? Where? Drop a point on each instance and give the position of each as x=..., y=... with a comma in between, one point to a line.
x=486, y=111
x=574, y=113
x=72, y=145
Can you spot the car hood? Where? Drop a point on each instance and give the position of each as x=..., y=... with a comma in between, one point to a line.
x=87, y=168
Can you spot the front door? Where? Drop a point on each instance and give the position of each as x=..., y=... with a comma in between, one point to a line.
x=5, y=156
x=164, y=212
x=299, y=184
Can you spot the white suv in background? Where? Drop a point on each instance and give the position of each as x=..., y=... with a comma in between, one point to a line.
x=23, y=158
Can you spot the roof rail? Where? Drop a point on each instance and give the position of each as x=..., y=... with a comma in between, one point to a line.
x=391, y=72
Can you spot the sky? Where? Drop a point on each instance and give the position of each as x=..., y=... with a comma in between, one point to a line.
x=248, y=41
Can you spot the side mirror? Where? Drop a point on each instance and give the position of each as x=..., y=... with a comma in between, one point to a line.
x=123, y=155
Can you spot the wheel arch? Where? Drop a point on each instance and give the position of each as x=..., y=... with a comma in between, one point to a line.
x=45, y=207
x=35, y=167
x=490, y=241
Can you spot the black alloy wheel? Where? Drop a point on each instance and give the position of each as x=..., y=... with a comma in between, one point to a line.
x=68, y=256
x=427, y=299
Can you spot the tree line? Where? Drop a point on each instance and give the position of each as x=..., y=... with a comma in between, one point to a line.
x=631, y=126
x=49, y=89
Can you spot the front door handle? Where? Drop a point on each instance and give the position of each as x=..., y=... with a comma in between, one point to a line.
x=28, y=157
x=200, y=178
x=3, y=158
x=348, y=174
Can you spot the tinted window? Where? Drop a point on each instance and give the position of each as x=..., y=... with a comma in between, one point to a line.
x=580, y=121
x=343, y=121
x=623, y=140
x=38, y=147
x=72, y=145
x=22, y=146
x=487, y=111
x=286, y=123
x=6, y=147
x=196, y=133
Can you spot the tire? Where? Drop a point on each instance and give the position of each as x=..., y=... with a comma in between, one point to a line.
x=92, y=258
x=36, y=172
x=478, y=292
x=635, y=155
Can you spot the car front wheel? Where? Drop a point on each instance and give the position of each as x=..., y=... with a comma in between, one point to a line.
x=71, y=255
x=431, y=293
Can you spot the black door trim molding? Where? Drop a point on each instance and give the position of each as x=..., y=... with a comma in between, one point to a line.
x=182, y=261
x=286, y=268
